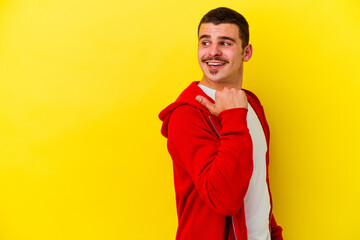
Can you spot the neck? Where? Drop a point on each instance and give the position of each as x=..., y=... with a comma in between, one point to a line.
x=218, y=86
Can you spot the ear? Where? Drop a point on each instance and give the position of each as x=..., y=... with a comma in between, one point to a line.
x=248, y=51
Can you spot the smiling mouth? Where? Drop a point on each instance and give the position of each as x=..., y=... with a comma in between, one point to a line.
x=214, y=67
x=215, y=63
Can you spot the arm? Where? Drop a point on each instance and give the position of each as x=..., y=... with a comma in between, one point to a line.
x=220, y=168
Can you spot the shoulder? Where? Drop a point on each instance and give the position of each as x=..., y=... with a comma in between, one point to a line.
x=252, y=98
x=186, y=120
x=252, y=95
x=185, y=115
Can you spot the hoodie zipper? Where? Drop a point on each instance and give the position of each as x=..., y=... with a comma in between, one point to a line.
x=232, y=217
x=214, y=126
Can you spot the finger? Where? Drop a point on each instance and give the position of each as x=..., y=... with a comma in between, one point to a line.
x=206, y=103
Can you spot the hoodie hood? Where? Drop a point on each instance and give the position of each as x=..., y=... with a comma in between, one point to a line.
x=186, y=97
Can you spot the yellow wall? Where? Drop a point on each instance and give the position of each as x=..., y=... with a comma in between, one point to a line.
x=82, y=82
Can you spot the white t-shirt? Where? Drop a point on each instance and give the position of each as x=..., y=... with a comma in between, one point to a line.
x=257, y=199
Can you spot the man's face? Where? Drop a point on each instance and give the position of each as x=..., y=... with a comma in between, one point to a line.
x=220, y=53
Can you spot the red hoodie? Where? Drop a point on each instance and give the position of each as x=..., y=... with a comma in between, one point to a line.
x=212, y=162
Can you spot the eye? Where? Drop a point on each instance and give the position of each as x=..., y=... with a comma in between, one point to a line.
x=205, y=43
x=225, y=43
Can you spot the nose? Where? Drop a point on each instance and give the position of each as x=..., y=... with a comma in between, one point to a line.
x=215, y=50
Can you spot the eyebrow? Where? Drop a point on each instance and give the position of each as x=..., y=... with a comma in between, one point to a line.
x=221, y=37
x=204, y=36
x=227, y=38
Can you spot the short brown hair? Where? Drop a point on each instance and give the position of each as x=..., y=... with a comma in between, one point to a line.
x=227, y=15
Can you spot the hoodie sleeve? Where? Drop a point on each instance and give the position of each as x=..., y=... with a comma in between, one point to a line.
x=276, y=230
x=220, y=167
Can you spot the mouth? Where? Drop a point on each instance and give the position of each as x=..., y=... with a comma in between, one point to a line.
x=215, y=65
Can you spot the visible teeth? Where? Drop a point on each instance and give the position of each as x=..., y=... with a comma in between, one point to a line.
x=214, y=64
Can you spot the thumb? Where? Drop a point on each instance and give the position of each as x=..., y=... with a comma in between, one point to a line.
x=206, y=103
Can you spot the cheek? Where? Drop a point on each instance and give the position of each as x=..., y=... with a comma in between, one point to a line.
x=200, y=57
x=235, y=57
x=201, y=53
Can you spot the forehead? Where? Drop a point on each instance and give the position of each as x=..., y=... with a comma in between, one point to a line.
x=223, y=29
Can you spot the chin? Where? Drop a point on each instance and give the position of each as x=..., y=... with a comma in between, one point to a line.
x=214, y=78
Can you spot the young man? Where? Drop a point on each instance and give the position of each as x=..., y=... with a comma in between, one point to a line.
x=218, y=139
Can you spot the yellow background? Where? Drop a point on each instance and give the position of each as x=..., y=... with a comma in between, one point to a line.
x=82, y=82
